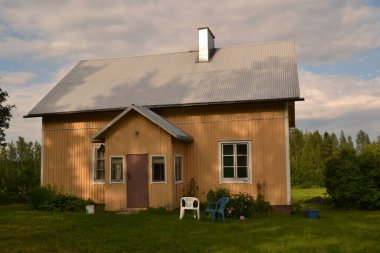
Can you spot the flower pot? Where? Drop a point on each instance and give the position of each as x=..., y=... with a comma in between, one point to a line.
x=312, y=214
x=90, y=209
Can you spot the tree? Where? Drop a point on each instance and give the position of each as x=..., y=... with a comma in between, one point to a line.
x=329, y=145
x=362, y=140
x=20, y=165
x=342, y=139
x=296, y=147
x=5, y=115
x=345, y=143
x=307, y=164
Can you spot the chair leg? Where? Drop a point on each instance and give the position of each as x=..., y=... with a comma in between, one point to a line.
x=199, y=217
x=213, y=216
x=181, y=213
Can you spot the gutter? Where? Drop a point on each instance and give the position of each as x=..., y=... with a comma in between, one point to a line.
x=165, y=106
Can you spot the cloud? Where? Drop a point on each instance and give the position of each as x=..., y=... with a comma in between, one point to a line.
x=324, y=31
x=334, y=102
x=25, y=95
x=16, y=78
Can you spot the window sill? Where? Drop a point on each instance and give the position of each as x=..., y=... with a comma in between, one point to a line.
x=163, y=182
x=178, y=182
x=98, y=182
x=236, y=181
x=117, y=182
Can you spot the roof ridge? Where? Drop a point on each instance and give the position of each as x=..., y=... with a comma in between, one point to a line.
x=190, y=51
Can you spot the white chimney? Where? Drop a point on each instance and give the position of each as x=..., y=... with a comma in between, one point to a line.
x=206, y=44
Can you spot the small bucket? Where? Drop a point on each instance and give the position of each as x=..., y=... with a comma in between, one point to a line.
x=90, y=209
x=312, y=214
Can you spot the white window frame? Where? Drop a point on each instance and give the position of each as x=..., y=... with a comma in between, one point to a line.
x=175, y=179
x=94, y=164
x=247, y=180
x=151, y=169
x=110, y=169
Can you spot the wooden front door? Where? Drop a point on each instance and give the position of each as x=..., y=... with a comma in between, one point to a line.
x=137, y=181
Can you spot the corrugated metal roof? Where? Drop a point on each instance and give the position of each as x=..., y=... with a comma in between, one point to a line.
x=153, y=117
x=265, y=71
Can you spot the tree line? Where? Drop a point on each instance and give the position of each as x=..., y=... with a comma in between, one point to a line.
x=309, y=152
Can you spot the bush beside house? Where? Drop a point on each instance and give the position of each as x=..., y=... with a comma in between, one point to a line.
x=48, y=198
x=241, y=204
x=353, y=179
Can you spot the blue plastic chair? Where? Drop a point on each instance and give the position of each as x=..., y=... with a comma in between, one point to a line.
x=217, y=207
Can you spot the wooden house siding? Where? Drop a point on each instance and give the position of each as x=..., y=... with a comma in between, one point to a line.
x=262, y=123
x=68, y=150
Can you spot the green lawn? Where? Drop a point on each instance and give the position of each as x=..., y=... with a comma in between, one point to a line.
x=23, y=230
x=300, y=195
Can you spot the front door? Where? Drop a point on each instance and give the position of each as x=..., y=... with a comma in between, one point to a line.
x=137, y=181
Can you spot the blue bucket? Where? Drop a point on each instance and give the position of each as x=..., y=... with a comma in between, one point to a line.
x=312, y=214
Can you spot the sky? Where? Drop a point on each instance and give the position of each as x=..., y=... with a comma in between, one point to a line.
x=337, y=47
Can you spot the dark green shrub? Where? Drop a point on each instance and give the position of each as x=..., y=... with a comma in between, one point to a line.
x=49, y=199
x=352, y=180
x=260, y=205
x=39, y=196
x=218, y=193
x=64, y=202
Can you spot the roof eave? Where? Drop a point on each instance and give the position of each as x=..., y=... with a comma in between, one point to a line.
x=168, y=106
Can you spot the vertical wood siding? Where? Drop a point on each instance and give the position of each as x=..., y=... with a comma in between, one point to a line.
x=262, y=124
x=68, y=153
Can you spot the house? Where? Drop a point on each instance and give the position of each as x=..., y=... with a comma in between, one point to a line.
x=131, y=132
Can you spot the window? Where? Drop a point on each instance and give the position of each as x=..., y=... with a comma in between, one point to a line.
x=178, y=169
x=235, y=161
x=98, y=163
x=117, y=169
x=158, y=169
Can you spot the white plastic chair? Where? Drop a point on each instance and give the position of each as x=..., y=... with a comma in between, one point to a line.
x=189, y=203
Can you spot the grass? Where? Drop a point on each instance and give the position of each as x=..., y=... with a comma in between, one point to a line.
x=24, y=230
x=300, y=195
